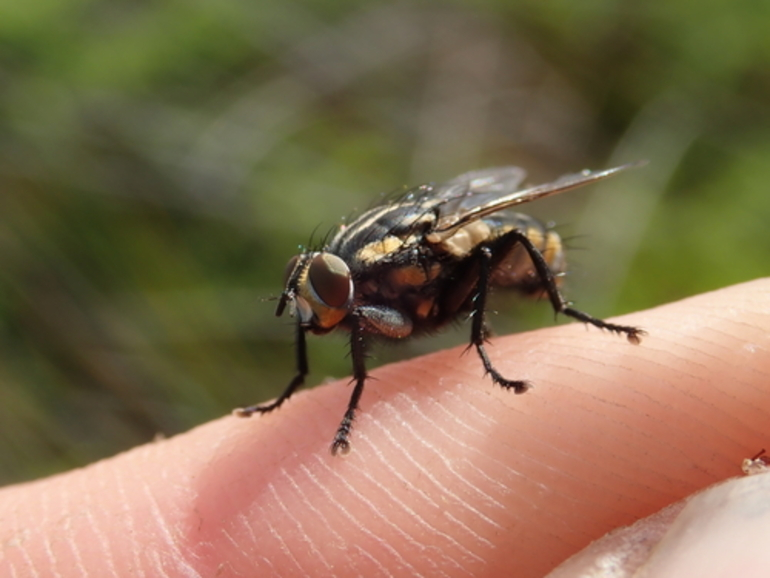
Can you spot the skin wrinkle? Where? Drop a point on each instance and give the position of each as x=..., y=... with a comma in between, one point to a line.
x=380, y=566
x=667, y=360
x=437, y=405
x=546, y=519
x=550, y=520
x=239, y=548
x=305, y=535
x=404, y=453
x=467, y=447
x=737, y=423
x=489, y=479
x=570, y=497
x=717, y=408
x=443, y=489
x=101, y=537
x=178, y=559
x=359, y=526
x=598, y=499
x=606, y=476
x=510, y=471
x=30, y=565
x=470, y=406
x=373, y=509
x=713, y=357
x=70, y=540
x=53, y=563
x=631, y=410
x=119, y=484
x=739, y=380
x=17, y=544
x=749, y=383
x=415, y=517
x=395, y=473
x=157, y=563
x=438, y=454
x=490, y=501
x=281, y=543
x=247, y=524
x=701, y=339
x=457, y=439
x=314, y=479
x=540, y=463
x=601, y=447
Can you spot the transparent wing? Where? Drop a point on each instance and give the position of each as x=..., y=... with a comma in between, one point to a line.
x=474, y=195
x=478, y=186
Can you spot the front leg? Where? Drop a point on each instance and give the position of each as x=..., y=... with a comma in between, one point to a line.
x=296, y=382
x=358, y=355
x=372, y=320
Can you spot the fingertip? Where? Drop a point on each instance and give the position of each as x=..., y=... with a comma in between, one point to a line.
x=444, y=461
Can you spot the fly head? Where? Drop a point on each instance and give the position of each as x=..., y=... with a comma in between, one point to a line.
x=318, y=287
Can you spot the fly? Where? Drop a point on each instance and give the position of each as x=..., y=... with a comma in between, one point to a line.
x=414, y=264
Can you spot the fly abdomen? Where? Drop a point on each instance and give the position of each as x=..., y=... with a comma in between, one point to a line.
x=515, y=270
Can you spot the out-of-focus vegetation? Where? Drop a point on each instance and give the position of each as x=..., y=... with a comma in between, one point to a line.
x=160, y=162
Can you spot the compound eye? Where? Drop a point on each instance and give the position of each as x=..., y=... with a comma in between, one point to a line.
x=330, y=279
x=289, y=269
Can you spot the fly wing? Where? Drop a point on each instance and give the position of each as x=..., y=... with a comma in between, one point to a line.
x=475, y=195
x=475, y=188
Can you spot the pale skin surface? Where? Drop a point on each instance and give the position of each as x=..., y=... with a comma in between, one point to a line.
x=448, y=474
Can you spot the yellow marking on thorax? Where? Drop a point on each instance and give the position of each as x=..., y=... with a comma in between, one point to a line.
x=375, y=251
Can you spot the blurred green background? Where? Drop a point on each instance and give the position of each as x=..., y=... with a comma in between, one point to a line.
x=161, y=161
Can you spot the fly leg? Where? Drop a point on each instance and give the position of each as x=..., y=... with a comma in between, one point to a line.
x=358, y=355
x=487, y=263
x=560, y=305
x=377, y=320
x=479, y=329
x=296, y=382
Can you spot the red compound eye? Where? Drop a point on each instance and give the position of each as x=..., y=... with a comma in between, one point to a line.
x=330, y=280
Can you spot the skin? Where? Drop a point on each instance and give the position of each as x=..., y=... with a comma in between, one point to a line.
x=449, y=475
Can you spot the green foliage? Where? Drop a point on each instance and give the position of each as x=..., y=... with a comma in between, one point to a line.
x=160, y=162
